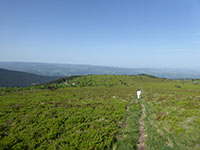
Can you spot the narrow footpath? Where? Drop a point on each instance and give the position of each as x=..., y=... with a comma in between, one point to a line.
x=142, y=137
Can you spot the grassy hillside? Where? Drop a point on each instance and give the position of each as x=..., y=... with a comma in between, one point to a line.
x=101, y=112
x=173, y=115
x=9, y=78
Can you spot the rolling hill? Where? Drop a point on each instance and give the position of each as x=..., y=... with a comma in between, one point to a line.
x=9, y=78
x=102, y=112
x=49, y=69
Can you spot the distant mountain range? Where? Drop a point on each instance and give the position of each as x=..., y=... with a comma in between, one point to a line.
x=10, y=78
x=48, y=69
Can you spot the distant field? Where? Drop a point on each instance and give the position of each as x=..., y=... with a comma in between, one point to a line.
x=101, y=112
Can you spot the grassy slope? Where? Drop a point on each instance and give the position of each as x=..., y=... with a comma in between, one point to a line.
x=173, y=115
x=69, y=117
x=90, y=112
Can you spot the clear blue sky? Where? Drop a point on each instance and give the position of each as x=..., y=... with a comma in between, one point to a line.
x=124, y=33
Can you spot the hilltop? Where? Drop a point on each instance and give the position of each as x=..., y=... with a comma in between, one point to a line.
x=101, y=112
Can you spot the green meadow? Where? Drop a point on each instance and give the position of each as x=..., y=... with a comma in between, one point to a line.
x=97, y=112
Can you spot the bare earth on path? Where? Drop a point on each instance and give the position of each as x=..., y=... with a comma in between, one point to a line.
x=142, y=137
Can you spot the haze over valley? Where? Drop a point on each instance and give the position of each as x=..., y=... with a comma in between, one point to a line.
x=52, y=69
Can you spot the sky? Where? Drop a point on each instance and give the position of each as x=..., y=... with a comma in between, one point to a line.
x=120, y=33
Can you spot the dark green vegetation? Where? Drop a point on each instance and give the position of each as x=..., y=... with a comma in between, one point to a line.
x=10, y=78
x=48, y=69
x=173, y=115
x=101, y=112
x=71, y=115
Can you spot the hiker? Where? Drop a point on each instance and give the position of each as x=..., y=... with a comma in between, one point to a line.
x=139, y=92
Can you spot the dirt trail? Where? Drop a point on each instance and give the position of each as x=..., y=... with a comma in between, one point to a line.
x=142, y=137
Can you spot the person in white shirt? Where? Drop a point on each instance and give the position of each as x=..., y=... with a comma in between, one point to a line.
x=139, y=92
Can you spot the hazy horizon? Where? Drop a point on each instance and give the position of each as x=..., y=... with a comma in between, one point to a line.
x=130, y=34
x=161, y=68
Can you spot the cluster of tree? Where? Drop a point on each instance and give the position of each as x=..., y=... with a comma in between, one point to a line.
x=10, y=78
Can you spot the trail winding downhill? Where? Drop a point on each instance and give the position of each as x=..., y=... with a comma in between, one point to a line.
x=142, y=137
